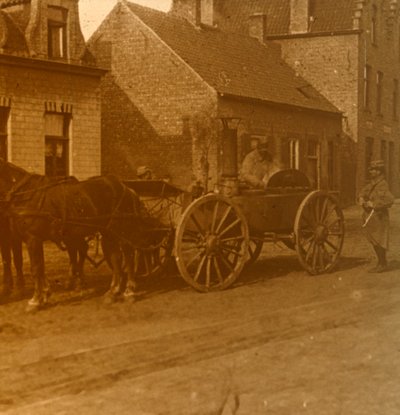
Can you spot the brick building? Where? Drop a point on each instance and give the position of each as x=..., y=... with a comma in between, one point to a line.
x=49, y=89
x=349, y=50
x=172, y=81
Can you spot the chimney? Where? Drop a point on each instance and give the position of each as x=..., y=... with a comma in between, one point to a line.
x=196, y=11
x=258, y=26
x=299, y=16
x=207, y=12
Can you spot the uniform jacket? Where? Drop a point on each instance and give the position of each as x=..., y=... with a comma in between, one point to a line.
x=256, y=171
x=377, y=229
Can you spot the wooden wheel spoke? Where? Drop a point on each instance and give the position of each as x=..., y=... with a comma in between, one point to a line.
x=333, y=233
x=199, y=268
x=233, y=239
x=227, y=263
x=197, y=224
x=195, y=258
x=228, y=228
x=214, y=216
x=231, y=251
x=324, y=209
x=317, y=210
x=310, y=251
x=321, y=257
x=333, y=246
x=190, y=248
x=218, y=269
x=308, y=240
x=308, y=221
x=224, y=217
x=315, y=256
x=208, y=272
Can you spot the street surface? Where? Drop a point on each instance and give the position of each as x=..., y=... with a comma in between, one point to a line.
x=279, y=342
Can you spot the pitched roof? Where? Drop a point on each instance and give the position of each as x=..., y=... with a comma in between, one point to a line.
x=233, y=64
x=14, y=40
x=328, y=15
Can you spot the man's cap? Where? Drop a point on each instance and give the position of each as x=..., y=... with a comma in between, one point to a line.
x=376, y=165
x=263, y=146
x=142, y=170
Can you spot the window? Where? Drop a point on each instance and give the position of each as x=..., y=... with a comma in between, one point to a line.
x=391, y=165
x=57, y=32
x=294, y=154
x=369, y=153
x=3, y=132
x=379, y=91
x=384, y=152
x=56, y=144
x=331, y=165
x=313, y=160
x=374, y=25
x=395, y=98
x=367, y=86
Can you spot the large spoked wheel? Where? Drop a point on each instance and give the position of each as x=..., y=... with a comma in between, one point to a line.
x=254, y=250
x=211, y=243
x=319, y=232
x=153, y=261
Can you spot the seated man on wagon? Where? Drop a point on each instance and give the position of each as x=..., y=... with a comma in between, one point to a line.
x=258, y=166
x=144, y=173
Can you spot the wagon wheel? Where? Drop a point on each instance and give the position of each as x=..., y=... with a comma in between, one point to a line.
x=254, y=249
x=319, y=232
x=211, y=243
x=154, y=261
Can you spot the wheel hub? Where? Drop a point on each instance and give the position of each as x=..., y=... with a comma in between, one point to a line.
x=321, y=233
x=212, y=244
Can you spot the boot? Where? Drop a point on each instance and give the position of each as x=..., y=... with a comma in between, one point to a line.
x=382, y=262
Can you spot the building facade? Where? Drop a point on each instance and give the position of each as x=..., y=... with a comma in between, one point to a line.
x=349, y=50
x=49, y=89
x=174, y=83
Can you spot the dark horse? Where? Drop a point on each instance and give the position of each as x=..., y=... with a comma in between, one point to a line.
x=11, y=251
x=66, y=212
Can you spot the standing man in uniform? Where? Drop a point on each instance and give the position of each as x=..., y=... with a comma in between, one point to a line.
x=376, y=199
x=258, y=166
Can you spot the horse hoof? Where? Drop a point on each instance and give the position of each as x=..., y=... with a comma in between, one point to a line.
x=32, y=308
x=110, y=299
x=129, y=296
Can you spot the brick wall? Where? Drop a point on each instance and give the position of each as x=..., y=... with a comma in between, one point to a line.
x=29, y=90
x=147, y=97
x=280, y=124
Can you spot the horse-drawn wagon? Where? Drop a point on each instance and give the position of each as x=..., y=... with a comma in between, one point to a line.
x=211, y=237
x=215, y=236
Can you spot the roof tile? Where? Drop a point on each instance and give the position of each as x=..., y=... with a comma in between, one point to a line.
x=231, y=63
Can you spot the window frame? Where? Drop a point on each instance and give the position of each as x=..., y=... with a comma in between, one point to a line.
x=4, y=119
x=374, y=25
x=294, y=153
x=52, y=168
x=367, y=86
x=395, y=99
x=379, y=92
x=57, y=25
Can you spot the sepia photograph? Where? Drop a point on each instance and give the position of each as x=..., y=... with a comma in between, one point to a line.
x=199, y=207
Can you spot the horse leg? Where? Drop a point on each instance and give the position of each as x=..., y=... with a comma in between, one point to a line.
x=18, y=264
x=131, y=256
x=83, y=248
x=113, y=255
x=7, y=273
x=73, y=266
x=42, y=289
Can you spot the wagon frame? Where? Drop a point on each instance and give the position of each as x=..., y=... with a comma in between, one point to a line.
x=215, y=236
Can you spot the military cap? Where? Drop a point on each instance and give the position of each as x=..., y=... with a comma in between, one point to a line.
x=377, y=165
x=142, y=170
